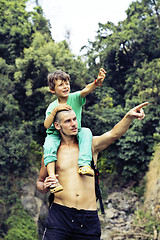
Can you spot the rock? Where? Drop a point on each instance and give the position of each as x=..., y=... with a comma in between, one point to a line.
x=111, y=213
x=29, y=203
x=33, y=201
x=152, y=194
x=119, y=214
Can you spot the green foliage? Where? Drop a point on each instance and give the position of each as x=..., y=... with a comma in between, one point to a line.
x=140, y=189
x=40, y=24
x=17, y=27
x=128, y=51
x=13, y=19
x=11, y=154
x=20, y=225
x=146, y=220
x=35, y=153
x=13, y=129
x=146, y=82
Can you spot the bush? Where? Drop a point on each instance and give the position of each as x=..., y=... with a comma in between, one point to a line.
x=20, y=225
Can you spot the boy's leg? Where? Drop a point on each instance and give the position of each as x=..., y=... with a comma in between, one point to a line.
x=50, y=147
x=51, y=172
x=85, y=151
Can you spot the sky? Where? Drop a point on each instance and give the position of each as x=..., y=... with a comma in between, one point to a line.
x=81, y=18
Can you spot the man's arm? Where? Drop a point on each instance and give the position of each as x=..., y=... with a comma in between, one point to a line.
x=44, y=182
x=91, y=86
x=101, y=142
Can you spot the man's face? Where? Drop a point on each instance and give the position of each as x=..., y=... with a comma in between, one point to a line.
x=68, y=125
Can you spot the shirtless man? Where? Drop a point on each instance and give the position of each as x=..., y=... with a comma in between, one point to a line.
x=73, y=214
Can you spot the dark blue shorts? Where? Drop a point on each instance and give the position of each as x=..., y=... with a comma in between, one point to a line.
x=64, y=223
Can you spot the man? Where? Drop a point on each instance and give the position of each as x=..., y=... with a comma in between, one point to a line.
x=73, y=215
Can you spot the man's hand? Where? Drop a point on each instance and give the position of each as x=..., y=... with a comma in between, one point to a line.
x=99, y=143
x=101, y=77
x=137, y=112
x=50, y=181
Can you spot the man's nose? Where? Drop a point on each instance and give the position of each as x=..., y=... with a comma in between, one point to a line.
x=73, y=122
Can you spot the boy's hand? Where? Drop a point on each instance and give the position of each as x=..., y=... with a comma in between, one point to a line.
x=61, y=107
x=49, y=120
x=101, y=77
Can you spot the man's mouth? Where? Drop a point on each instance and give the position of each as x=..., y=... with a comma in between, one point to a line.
x=74, y=129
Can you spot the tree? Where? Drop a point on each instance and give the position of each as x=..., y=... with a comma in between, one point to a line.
x=13, y=18
x=129, y=52
x=121, y=49
x=17, y=27
x=31, y=91
x=13, y=128
x=26, y=229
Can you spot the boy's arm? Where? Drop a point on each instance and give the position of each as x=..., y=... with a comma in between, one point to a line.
x=49, y=120
x=91, y=86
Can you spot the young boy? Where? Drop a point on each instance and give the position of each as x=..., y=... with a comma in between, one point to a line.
x=59, y=85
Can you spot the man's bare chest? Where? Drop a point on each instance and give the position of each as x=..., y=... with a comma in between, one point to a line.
x=67, y=157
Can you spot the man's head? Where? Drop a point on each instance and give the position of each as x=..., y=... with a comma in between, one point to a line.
x=58, y=75
x=66, y=123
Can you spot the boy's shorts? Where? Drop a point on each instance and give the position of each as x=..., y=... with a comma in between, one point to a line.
x=64, y=223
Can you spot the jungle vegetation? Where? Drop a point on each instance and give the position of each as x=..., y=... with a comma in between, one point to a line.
x=130, y=54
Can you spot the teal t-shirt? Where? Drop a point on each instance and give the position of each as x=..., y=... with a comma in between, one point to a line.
x=75, y=101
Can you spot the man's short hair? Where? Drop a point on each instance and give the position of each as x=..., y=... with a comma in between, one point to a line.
x=58, y=115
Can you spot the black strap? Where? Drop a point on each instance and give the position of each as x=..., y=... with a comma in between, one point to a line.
x=51, y=199
x=97, y=187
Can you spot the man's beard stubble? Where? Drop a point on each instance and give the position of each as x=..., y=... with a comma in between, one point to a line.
x=67, y=135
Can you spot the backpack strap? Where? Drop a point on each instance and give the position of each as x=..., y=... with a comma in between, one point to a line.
x=51, y=199
x=97, y=187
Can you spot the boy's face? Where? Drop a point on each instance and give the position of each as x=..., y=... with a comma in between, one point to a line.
x=62, y=88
